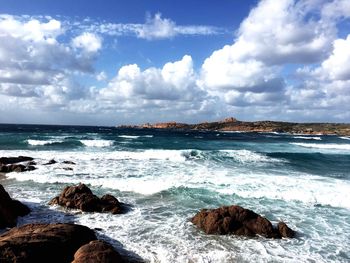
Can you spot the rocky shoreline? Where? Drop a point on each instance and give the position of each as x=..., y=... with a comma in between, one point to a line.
x=63, y=242
x=232, y=124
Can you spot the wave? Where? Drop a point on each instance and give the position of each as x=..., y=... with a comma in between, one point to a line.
x=246, y=156
x=330, y=146
x=97, y=143
x=345, y=138
x=308, y=138
x=129, y=136
x=135, y=136
x=42, y=142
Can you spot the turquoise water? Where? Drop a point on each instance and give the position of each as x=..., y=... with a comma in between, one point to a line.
x=167, y=176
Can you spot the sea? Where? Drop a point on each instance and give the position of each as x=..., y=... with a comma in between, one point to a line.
x=167, y=176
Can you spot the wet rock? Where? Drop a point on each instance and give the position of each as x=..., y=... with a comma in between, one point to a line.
x=32, y=163
x=12, y=160
x=234, y=220
x=52, y=161
x=97, y=252
x=81, y=197
x=68, y=168
x=15, y=164
x=284, y=230
x=69, y=162
x=16, y=168
x=43, y=242
x=10, y=209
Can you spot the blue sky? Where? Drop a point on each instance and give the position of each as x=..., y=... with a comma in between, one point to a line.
x=114, y=62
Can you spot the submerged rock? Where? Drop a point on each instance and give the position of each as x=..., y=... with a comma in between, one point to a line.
x=43, y=242
x=52, y=161
x=10, y=209
x=81, y=197
x=97, y=252
x=237, y=220
x=68, y=162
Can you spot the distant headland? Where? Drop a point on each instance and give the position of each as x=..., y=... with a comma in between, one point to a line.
x=232, y=124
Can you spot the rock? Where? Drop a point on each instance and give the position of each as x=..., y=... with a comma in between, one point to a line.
x=16, y=168
x=81, y=197
x=234, y=220
x=43, y=242
x=97, y=252
x=284, y=230
x=10, y=209
x=32, y=163
x=11, y=164
x=52, y=161
x=68, y=168
x=12, y=160
x=68, y=162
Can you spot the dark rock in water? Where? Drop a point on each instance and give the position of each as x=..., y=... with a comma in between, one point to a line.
x=81, y=197
x=16, y=168
x=97, y=252
x=11, y=164
x=12, y=160
x=10, y=209
x=234, y=220
x=32, y=163
x=68, y=168
x=52, y=161
x=284, y=230
x=68, y=162
x=43, y=242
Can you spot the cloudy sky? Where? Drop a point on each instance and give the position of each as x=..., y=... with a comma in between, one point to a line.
x=128, y=62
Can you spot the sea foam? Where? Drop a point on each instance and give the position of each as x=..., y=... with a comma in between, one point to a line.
x=42, y=142
x=97, y=143
x=330, y=146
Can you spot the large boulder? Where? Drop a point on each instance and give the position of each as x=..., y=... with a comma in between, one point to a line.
x=81, y=197
x=97, y=251
x=10, y=209
x=43, y=242
x=238, y=221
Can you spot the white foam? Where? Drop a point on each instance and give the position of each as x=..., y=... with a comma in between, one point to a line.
x=331, y=146
x=246, y=156
x=129, y=136
x=308, y=138
x=345, y=138
x=42, y=142
x=97, y=143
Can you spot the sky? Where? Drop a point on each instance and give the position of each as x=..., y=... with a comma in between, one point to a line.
x=130, y=62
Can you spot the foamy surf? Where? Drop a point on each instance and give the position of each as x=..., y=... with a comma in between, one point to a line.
x=328, y=146
x=308, y=138
x=97, y=143
x=42, y=142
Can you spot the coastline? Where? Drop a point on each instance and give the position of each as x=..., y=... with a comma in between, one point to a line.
x=234, y=125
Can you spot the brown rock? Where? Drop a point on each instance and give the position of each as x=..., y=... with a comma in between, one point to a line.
x=284, y=230
x=10, y=209
x=43, y=242
x=81, y=197
x=97, y=252
x=234, y=220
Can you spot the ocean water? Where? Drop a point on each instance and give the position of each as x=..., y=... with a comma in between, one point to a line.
x=168, y=176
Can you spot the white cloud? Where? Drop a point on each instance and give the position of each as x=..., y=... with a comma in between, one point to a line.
x=154, y=28
x=89, y=42
x=337, y=66
x=175, y=81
